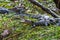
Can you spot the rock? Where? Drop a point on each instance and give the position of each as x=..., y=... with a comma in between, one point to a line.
x=3, y=10
x=5, y=33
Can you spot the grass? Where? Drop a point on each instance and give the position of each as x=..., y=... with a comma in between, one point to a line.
x=21, y=31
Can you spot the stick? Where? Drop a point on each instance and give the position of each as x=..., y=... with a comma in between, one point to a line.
x=44, y=8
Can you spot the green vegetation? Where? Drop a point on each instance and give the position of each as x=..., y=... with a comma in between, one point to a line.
x=22, y=31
